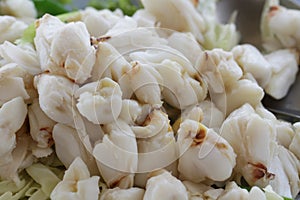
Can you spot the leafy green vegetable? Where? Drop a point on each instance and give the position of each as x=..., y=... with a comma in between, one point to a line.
x=56, y=7
x=28, y=35
x=127, y=6
x=65, y=1
x=70, y=16
x=53, y=7
x=102, y=4
x=285, y=198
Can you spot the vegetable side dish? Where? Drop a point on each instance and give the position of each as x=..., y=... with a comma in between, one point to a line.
x=163, y=104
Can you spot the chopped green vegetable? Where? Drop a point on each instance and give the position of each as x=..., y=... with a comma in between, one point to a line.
x=70, y=16
x=102, y=4
x=53, y=7
x=286, y=198
x=28, y=35
x=127, y=6
x=56, y=7
x=65, y=1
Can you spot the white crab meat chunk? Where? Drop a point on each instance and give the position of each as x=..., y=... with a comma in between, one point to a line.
x=280, y=27
x=19, y=159
x=253, y=138
x=11, y=28
x=189, y=20
x=294, y=145
x=241, y=92
x=200, y=191
x=284, y=65
x=100, y=102
x=201, y=153
x=162, y=185
x=12, y=117
x=12, y=83
x=284, y=132
x=22, y=54
x=56, y=97
x=158, y=53
x=117, y=156
x=18, y=8
x=145, y=83
x=205, y=112
x=69, y=144
x=90, y=16
x=77, y=183
x=74, y=57
x=144, y=19
x=187, y=44
x=286, y=167
x=133, y=193
x=233, y=191
x=228, y=87
x=180, y=89
x=131, y=111
x=156, y=146
x=13, y=70
x=110, y=63
x=41, y=127
x=127, y=37
x=252, y=61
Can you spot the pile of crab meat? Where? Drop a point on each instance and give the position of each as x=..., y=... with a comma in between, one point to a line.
x=149, y=106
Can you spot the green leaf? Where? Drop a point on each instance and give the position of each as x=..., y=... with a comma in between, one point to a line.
x=65, y=1
x=28, y=35
x=104, y=4
x=286, y=198
x=70, y=16
x=127, y=6
x=52, y=7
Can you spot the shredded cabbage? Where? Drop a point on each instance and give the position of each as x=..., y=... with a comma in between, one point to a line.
x=36, y=183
